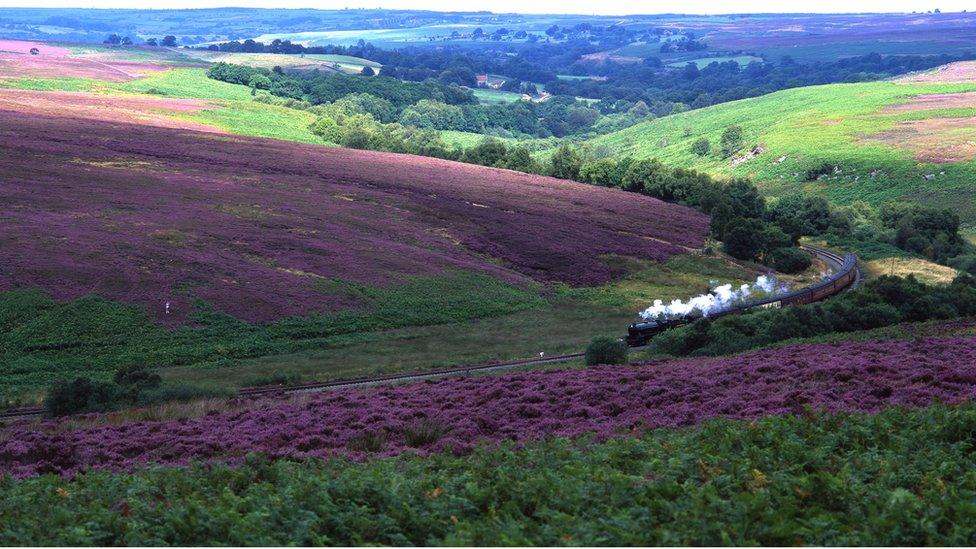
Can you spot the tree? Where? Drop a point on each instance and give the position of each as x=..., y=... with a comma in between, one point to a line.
x=367, y=71
x=565, y=163
x=642, y=174
x=731, y=140
x=601, y=172
x=126, y=41
x=79, y=395
x=259, y=82
x=789, y=260
x=113, y=40
x=743, y=239
x=520, y=159
x=169, y=41
x=427, y=113
x=152, y=42
x=490, y=152
x=701, y=147
x=772, y=238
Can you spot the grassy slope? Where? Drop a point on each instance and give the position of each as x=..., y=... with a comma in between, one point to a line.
x=43, y=341
x=233, y=109
x=809, y=126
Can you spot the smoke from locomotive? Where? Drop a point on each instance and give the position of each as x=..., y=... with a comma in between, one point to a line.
x=720, y=298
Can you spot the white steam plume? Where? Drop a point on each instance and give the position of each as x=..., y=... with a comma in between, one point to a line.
x=720, y=298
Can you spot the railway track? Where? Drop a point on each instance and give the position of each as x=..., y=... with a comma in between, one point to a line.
x=831, y=258
x=834, y=260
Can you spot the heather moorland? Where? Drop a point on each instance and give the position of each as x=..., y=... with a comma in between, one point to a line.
x=454, y=415
x=200, y=219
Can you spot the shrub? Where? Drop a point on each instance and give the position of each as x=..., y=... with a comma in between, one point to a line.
x=370, y=441
x=80, y=395
x=137, y=376
x=565, y=163
x=423, y=432
x=181, y=392
x=701, y=147
x=606, y=350
x=790, y=260
x=731, y=140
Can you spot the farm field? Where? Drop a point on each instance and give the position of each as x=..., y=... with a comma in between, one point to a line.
x=703, y=62
x=497, y=96
x=894, y=140
x=344, y=63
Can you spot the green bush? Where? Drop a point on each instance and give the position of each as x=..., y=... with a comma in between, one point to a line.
x=606, y=350
x=790, y=260
x=80, y=395
x=181, y=392
x=732, y=140
x=701, y=146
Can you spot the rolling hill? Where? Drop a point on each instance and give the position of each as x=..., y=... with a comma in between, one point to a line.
x=247, y=248
x=910, y=139
x=144, y=188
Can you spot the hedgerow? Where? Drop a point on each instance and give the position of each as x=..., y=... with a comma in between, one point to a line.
x=898, y=478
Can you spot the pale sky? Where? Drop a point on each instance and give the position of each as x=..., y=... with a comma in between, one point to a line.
x=604, y=7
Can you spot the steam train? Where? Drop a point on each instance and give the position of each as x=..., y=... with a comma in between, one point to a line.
x=640, y=333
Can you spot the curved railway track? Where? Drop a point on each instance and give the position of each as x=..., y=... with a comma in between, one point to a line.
x=834, y=260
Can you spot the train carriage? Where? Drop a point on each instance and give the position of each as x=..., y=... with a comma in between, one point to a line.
x=640, y=333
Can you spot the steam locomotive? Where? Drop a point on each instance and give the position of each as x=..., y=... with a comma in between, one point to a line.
x=640, y=333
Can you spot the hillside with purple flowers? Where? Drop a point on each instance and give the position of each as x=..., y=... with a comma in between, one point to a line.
x=455, y=415
x=262, y=229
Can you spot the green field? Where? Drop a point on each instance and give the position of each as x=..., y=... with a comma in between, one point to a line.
x=496, y=96
x=454, y=320
x=742, y=60
x=344, y=63
x=233, y=109
x=843, y=125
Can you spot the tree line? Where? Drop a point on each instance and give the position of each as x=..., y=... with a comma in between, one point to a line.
x=440, y=106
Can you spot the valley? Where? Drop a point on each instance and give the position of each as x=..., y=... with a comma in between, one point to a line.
x=754, y=233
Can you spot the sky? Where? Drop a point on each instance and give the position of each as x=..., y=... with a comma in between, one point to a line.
x=602, y=7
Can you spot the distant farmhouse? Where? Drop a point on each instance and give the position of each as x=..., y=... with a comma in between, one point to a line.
x=486, y=81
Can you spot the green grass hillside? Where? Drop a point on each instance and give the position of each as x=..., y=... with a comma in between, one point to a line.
x=883, y=137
